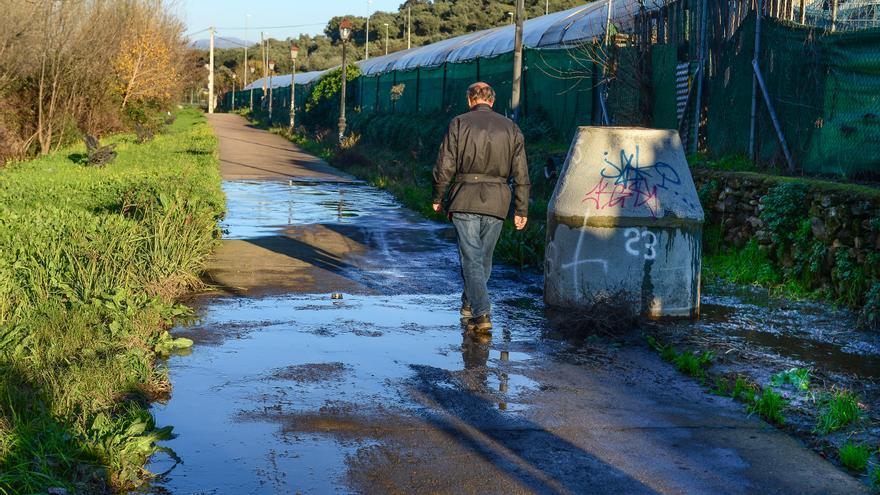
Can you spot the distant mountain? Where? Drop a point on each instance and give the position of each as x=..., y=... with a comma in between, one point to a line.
x=224, y=42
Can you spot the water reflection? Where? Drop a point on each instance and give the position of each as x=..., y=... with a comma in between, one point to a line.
x=475, y=352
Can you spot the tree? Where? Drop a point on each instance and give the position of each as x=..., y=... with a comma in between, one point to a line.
x=145, y=66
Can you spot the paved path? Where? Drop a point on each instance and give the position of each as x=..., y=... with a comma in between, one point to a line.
x=287, y=389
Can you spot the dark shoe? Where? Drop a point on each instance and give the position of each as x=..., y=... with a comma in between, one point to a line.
x=480, y=324
x=466, y=312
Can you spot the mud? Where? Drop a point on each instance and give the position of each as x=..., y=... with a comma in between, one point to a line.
x=755, y=336
x=289, y=390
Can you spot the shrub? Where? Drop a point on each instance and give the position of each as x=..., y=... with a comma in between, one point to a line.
x=869, y=316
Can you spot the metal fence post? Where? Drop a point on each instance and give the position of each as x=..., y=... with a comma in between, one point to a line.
x=759, y=12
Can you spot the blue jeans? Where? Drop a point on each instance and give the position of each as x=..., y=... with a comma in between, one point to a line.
x=477, y=236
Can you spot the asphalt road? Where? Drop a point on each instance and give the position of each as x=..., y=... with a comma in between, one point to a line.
x=288, y=390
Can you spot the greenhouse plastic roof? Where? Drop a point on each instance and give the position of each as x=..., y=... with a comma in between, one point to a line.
x=283, y=80
x=555, y=30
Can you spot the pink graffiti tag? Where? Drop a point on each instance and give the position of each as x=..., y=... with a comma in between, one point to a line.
x=628, y=185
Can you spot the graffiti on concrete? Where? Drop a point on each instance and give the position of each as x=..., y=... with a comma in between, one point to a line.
x=635, y=248
x=628, y=184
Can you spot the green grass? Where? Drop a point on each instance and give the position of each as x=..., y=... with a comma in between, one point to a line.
x=855, y=456
x=838, y=410
x=688, y=362
x=91, y=261
x=769, y=406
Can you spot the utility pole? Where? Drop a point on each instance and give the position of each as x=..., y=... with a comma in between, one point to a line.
x=517, y=60
x=367, y=44
x=803, y=11
x=233, y=91
x=408, y=27
x=386, y=38
x=211, y=75
x=547, y=8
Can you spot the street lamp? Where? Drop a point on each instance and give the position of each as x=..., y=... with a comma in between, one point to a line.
x=344, y=35
x=233, y=91
x=271, y=70
x=386, y=38
x=294, y=51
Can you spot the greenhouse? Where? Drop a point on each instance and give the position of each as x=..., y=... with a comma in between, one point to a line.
x=559, y=30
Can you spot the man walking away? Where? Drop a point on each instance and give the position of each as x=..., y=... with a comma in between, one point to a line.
x=480, y=152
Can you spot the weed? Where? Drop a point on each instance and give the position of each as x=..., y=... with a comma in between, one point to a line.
x=90, y=263
x=855, y=456
x=799, y=378
x=869, y=317
x=839, y=410
x=743, y=390
x=769, y=406
x=689, y=362
x=749, y=265
x=694, y=363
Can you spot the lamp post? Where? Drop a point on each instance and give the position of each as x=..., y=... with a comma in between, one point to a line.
x=271, y=70
x=252, y=88
x=294, y=51
x=233, y=91
x=367, y=44
x=386, y=38
x=344, y=35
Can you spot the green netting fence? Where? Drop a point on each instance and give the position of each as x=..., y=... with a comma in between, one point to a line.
x=824, y=87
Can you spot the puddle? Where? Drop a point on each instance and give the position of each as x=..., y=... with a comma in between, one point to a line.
x=297, y=354
x=280, y=391
x=258, y=208
x=246, y=403
x=810, y=334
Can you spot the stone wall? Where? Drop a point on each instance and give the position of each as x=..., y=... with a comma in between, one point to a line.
x=832, y=240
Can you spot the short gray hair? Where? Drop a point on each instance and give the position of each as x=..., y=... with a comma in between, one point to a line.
x=480, y=91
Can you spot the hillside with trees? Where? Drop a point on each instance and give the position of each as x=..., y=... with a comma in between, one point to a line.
x=431, y=21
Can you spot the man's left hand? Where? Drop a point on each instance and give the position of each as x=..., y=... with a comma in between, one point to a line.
x=436, y=207
x=520, y=222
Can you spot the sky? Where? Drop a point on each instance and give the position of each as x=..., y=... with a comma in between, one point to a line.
x=226, y=14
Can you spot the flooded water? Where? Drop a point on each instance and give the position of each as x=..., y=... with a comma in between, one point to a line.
x=796, y=333
x=287, y=393
x=262, y=366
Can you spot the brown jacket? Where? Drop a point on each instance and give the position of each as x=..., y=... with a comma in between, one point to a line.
x=481, y=151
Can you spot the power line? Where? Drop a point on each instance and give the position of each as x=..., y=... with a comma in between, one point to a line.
x=273, y=27
x=235, y=42
x=187, y=35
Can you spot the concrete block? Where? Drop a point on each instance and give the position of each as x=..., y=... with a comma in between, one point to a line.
x=625, y=216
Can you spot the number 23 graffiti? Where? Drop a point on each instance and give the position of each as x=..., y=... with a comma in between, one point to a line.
x=634, y=235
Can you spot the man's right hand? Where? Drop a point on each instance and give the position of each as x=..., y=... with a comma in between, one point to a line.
x=436, y=207
x=520, y=222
